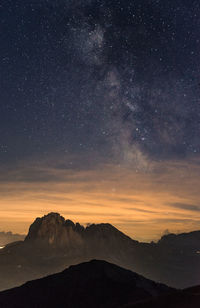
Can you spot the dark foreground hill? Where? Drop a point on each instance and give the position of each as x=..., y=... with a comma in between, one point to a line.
x=189, y=298
x=53, y=244
x=92, y=284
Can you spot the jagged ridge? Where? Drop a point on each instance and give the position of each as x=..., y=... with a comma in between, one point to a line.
x=54, y=230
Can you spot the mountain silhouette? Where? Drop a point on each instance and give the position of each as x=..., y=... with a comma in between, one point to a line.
x=189, y=298
x=53, y=243
x=92, y=284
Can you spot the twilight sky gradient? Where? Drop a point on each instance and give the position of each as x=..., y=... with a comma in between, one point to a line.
x=100, y=113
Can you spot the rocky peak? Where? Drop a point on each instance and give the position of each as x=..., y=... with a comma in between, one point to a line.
x=54, y=230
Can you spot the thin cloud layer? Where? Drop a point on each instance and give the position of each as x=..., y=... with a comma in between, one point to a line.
x=139, y=203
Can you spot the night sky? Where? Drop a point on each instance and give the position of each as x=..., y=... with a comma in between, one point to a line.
x=100, y=113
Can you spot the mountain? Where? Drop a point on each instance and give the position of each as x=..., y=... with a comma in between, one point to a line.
x=9, y=237
x=92, y=284
x=189, y=298
x=53, y=243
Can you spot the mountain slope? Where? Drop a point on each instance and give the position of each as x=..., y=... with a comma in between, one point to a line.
x=53, y=244
x=189, y=298
x=92, y=284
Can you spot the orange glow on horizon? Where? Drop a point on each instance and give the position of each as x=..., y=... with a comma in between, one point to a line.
x=141, y=204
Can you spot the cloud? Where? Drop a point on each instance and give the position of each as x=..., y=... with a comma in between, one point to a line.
x=140, y=203
x=141, y=210
x=184, y=206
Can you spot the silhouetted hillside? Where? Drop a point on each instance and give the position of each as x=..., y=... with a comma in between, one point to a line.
x=189, y=298
x=93, y=284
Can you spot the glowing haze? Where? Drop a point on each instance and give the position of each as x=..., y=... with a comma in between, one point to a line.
x=142, y=204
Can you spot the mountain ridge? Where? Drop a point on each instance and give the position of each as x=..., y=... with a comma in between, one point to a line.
x=42, y=227
x=90, y=284
x=54, y=243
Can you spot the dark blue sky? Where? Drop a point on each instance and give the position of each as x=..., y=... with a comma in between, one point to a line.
x=93, y=77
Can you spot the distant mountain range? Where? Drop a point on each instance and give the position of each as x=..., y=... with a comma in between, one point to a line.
x=53, y=244
x=9, y=237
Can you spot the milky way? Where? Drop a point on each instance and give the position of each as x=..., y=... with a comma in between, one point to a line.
x=100, y=75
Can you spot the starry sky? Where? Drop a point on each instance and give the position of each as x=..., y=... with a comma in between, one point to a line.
x=100, y=113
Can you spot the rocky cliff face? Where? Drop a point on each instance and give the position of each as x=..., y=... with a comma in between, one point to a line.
x=54, y=231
